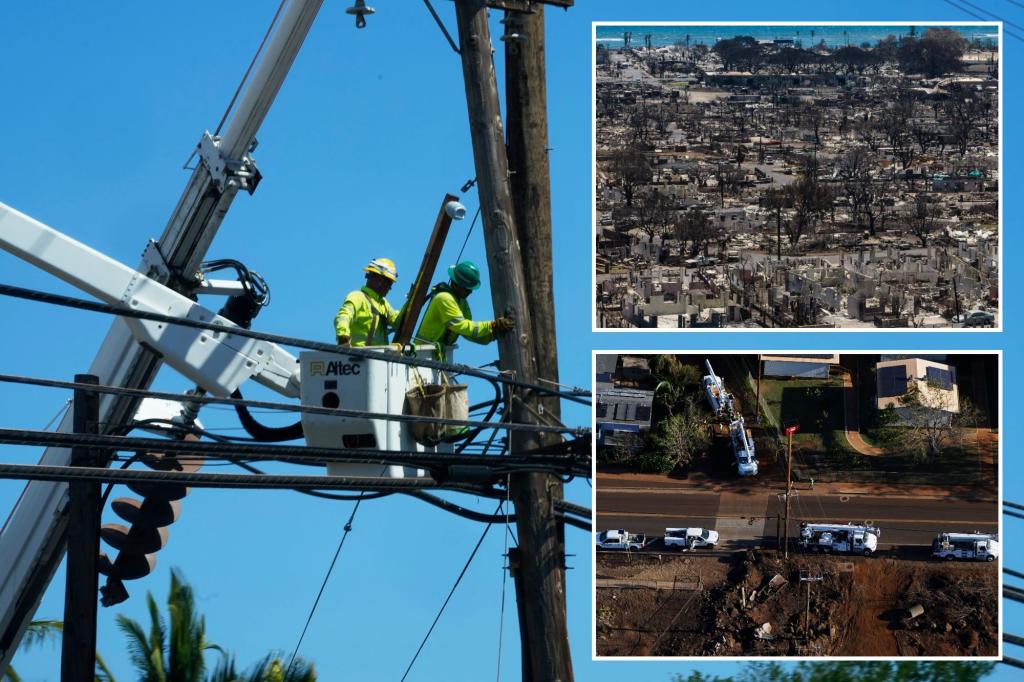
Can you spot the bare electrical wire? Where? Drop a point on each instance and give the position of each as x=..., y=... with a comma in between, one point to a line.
x=330, y=569
x=302, y=454
x=450, y=593
x=245, y=76
x=981, y=18
x=366, y=353
x=281, y=407
x=440, y=24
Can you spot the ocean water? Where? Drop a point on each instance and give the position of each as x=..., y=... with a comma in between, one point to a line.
x=806, y=36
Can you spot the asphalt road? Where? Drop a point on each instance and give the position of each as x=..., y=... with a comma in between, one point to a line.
x=750, y=519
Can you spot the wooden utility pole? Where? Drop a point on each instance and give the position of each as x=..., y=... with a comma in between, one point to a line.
x=540, y=579
x=78, y=647
x=757, y=403
x=530, y=180
x=789, y=490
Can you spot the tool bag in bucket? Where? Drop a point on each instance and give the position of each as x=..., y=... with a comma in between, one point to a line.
x=440, y=401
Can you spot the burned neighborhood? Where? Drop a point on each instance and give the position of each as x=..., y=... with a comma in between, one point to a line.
x=797, y=177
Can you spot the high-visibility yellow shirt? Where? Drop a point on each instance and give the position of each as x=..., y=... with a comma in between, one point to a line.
x=449, y=317
x=366, y=318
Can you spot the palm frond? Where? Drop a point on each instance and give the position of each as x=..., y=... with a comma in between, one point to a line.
x=42, y=631
x=139, y=652
x=103, y=673
x=225, y=671
x=188, y=633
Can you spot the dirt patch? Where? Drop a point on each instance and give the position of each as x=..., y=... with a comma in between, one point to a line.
x=757, y=603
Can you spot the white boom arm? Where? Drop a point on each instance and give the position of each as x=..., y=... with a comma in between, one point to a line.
x=32, y=539
x=216, y=361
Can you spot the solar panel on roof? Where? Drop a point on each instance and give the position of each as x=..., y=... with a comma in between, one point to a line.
x=630, y=411
x=892, y=381
x=602, y=410
x=643, y=413
x=942, y=378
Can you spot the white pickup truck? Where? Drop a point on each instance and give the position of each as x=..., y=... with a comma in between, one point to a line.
x=620, y=539
x=690, y=538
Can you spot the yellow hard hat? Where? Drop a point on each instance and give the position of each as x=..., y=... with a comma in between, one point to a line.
x=385, y=267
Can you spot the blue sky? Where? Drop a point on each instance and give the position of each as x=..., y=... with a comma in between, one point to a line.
x=102, y=105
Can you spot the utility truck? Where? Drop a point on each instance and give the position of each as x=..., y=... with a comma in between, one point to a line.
x=743, y=448
x=836, y=538
x=620, y=539
x=690, y=538
x=977, y=546
x=719, y=399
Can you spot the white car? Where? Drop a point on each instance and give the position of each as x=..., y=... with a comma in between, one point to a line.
x=620, y=539
x=689, y=538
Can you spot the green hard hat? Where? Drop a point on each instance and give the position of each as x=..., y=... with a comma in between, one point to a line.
x=465, y=274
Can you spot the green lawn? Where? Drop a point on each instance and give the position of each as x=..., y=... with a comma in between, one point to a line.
x=817, y=404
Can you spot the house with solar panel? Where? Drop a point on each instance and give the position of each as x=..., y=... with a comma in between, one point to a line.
x=913, y=386
x=622, y=409
x=802, y=366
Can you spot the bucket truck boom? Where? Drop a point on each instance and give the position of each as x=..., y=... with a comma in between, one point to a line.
x=33, y=538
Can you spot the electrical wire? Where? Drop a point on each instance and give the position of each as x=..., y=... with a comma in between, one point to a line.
x=468, y=232
x=991, y=14
x=330, y=569
x=981, y=18
x=450, y=593
x=433, y=461
x=441, y=25
x=195, y=479
x=281, y=407
x=59, y=415
x=245, y=77
x=504, y=576
x=359, y=352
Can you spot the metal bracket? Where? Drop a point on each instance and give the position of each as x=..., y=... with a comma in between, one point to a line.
x=228, y=173
x=155, y=263
x=526, y=5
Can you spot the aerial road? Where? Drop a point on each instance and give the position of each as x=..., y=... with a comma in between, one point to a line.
x=751, y=518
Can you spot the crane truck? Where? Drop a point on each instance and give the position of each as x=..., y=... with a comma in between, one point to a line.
x=977, y=546
x=743, y=448
x=836, y=538
x=720, y=400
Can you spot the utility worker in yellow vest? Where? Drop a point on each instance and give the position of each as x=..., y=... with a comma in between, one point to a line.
x=366, y=317
x=448, y=316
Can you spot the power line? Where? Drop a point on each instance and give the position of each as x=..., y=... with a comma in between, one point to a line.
x=985, y=11
x=443, y=464
x=981, y=18
x=504, y=577
x=196, y=479
x=450, y=593
x=360, y=352
x=330, y=569
x=245, y=76
x=282, y=407
x=440, y=24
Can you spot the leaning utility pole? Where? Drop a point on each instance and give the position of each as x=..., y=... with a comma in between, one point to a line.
x=540, y=580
